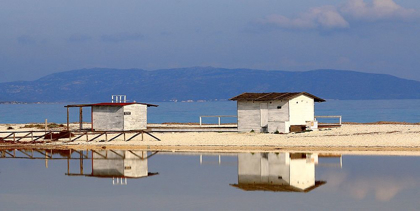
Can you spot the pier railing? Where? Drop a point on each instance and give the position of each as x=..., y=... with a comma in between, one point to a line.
x=330, y=117
x=218, y=117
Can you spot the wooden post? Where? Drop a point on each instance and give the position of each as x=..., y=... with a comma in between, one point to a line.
x=91, y=117
x=81, y=118
x=46, y=124
x=68, y=119
x=142, y=135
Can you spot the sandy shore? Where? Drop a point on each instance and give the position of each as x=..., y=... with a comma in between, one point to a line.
x=361, y=137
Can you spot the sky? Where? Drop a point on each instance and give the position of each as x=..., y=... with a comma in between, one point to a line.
x=40, y=37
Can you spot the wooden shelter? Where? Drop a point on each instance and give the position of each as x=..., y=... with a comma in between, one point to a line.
x=114, y=116
x=276, y=112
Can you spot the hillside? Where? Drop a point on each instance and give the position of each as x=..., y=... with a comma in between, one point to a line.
x=204, y=83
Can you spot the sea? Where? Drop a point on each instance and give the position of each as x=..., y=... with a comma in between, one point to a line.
x=361, y=111
x=36, y=179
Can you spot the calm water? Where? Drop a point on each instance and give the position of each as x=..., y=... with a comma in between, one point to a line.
x=351, y=110
x=123, y=180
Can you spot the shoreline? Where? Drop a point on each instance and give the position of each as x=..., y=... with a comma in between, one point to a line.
x=390, y=138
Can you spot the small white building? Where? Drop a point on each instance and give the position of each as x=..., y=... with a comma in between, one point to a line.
x=114, y=116
x=276, y=112
x=119, y=116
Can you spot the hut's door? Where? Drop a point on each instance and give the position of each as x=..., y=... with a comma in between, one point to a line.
x=264, y=114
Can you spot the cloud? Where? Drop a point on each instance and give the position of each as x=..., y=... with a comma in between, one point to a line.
x=123, y=37
x=325, y=17
x=338, y=17
x=377, y=10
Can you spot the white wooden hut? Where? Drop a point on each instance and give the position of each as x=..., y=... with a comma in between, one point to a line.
x=115, y=116
x=276, y=112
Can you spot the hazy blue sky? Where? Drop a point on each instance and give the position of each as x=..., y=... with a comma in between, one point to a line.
x=46, y=36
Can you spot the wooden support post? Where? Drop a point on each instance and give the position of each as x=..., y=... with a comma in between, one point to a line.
x=46, y=124
x=32, y=136
x=91, y=117
x=14, y=137
x=124, y=136
x=81, y=164
x=68, y=119
x=106, y=136
x=80, y=118
x=142, y=135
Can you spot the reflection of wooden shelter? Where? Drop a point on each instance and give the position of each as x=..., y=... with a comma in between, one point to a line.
x=120, y=163
x=277, y=172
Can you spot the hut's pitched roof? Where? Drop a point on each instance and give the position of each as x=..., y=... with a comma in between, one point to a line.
x=273, y=96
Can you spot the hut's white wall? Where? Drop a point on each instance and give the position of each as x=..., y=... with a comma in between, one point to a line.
x=249, y=116
x=301, y=109
x=135, y=166
x=108, y=118
x=112, y=166
x=278, y=116
x=263, y=168
x=115, y=165
x=135, y=117
x=302, y=173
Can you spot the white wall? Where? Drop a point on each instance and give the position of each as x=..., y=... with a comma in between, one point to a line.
x=137, y=119
x=107, y=118
x=301, y=109
x=302, y=173
x=249, y=116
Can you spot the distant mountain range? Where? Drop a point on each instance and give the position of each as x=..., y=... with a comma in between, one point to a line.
x=204, y=83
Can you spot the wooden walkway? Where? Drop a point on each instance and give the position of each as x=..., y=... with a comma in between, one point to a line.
x=70, y=136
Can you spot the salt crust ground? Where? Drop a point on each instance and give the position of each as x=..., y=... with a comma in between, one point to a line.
x=390, y=135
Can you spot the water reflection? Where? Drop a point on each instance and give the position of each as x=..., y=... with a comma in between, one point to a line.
x=278, y=172
x=119, y=165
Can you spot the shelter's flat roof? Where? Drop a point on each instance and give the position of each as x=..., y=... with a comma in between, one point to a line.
x=109, y=104
x=273, y=96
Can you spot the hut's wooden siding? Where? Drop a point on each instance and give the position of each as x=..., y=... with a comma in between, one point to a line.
x=108, y=118
x=129, y=117
x=278, y=118
x=249, y=116
x=135, y=117
x=301, y=110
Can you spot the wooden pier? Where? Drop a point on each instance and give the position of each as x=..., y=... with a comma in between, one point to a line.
x=70, y=136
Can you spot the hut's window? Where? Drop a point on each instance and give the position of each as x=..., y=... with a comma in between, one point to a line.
x=127, y=113
x=127, y=167
x=278, y=107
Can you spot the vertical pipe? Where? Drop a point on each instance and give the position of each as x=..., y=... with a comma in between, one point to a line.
x=220, y=159
x=201, y=159
x=219, y=120
x=200, y=120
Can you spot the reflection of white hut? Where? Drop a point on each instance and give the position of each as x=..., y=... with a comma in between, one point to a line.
x=271, y=112
x=290, y=172
x=120, y=164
